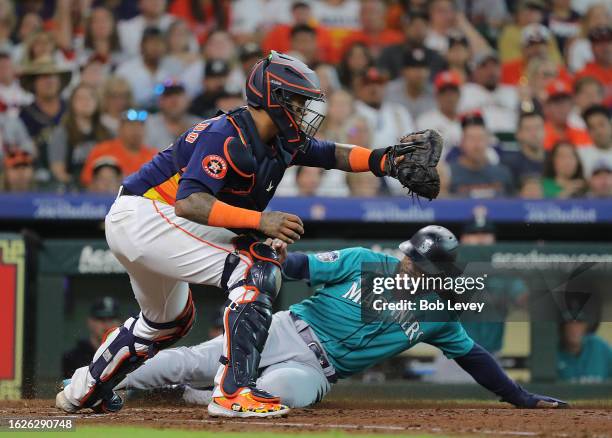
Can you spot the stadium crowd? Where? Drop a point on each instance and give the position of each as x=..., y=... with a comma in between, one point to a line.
x=521, y=91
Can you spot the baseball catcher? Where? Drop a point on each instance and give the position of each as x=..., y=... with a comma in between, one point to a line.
x=324, y=338
x=195, y=214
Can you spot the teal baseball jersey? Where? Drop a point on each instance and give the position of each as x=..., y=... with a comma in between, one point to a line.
x=334, y=313
x=593, y=364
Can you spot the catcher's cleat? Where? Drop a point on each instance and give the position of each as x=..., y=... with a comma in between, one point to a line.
x=244, y=406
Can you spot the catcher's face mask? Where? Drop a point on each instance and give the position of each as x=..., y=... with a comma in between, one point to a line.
x=301, y=110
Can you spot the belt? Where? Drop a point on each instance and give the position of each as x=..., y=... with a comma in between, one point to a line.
x=125, y=192
x=309, y=338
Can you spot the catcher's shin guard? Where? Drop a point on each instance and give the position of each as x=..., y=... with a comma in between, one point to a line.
x=247, y=321
x=125, y=352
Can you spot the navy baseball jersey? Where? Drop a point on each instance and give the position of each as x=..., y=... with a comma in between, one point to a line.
x=201, y=161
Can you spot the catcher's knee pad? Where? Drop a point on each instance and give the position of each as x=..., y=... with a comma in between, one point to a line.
x=247, y=321
x=125, y=352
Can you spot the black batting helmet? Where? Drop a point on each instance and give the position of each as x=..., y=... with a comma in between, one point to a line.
x=433, y=249
x=272, y=85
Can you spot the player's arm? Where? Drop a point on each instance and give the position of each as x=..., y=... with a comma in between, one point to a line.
x=204, y=208
x=207, y=172
x=294, y=264
x=485, y=370
x=412, y=161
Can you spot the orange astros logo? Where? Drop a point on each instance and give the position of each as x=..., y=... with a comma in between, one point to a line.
x=214, y=166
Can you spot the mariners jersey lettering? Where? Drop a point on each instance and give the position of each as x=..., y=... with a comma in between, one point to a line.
x=334, y=313
x=199, y=161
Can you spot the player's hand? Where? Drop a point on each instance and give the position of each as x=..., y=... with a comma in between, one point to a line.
x=536, y=401
x=284, y=226
x=280, y=247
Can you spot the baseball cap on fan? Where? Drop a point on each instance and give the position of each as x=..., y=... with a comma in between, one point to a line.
x=535, y=34
x=216, y=68
x=481, y=58
x=449, y=79
x=416, y=57
x=600, y=34
x=18, y=157
x=558, y=88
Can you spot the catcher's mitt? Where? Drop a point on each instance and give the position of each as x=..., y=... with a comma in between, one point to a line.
x=417, y=170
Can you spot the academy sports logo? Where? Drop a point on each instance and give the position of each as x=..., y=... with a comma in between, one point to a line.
x=214, y=166
x=330, y=256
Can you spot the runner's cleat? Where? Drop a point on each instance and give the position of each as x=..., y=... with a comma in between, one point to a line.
x=244, y=406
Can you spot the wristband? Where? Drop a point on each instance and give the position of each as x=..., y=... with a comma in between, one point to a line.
x=376, y=162
x=228, y=216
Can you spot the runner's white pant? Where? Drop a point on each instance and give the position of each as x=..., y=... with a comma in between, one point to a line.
x=288, y=367
x=162, y=253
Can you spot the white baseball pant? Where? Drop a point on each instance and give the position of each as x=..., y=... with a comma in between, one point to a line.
x=289, y=369
x=162, y=253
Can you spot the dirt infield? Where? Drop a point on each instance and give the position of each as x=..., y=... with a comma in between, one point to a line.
x=437, y=418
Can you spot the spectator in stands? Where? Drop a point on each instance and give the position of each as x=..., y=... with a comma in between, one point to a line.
x=373, y=31
x=557, y=110
x=339, y=16
x=106, y=176
x=101, y=40
x=116, y=98
x=203, y=16
x=7, y=24
x=563, y=22
x=45, y=80
x=444, y=117
x=600, y=182
x=152, y=16
x=164, y=127
x=77, y=134
x=412, y=89
x=40, y=46
x=215, y=81
x=532, y=92
x=249, y=54
x=308, y=180
x=579, y=52
x=279, y=37
x=11, y=93
x=94, y=73
x=30, y=24
x=152, y=67
x=458, y=54
x=497, y=102
x=181, y=49
x=227, y=101
x=531, y=187
x=583, y=357
x=127, y=149
x=14, y=135
x=563, y=177
x=416, y=24
x=597, y=119
x=588, y=91
x=387, y=120
x=442, y=18
x=472, y=175
x=601, y=66
x=529, y=158
x=528, y=12
x=18, y=171
x=534, y=41
x=103, y=315
x=356, y=59
x=303, y=42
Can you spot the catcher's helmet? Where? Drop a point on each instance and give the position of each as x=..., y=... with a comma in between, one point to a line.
x=273, y=85
x=433, y=249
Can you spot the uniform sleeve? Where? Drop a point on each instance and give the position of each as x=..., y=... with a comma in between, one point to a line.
x=321, y=153
x=208, y=168
x=337, y=266
x=452, y=339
